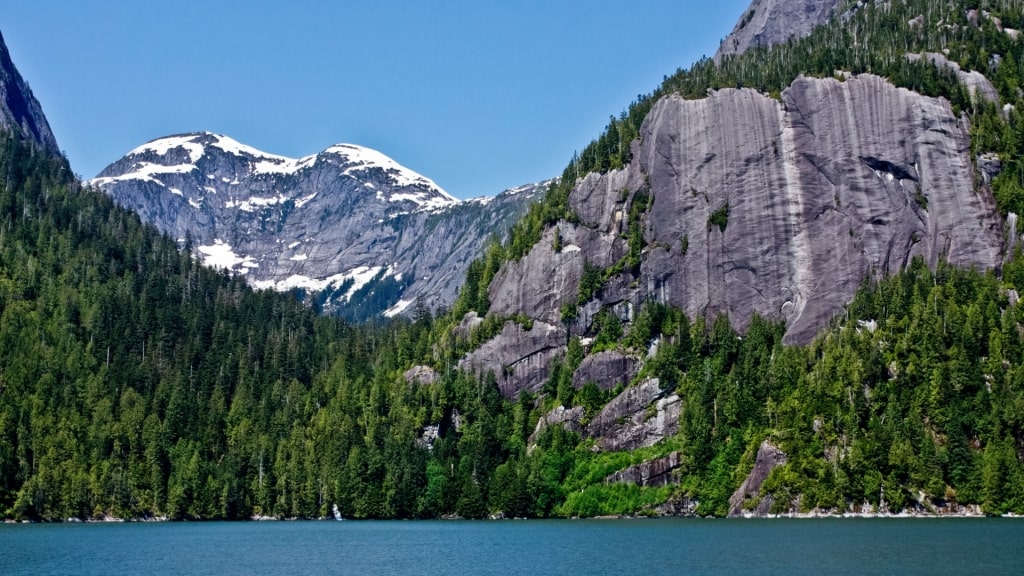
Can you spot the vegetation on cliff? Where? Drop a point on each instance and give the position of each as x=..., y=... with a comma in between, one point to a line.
x=134, y=382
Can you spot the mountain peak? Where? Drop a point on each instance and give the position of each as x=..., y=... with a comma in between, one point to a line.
x=182, y=153
x=770, y=22
x=348, y=224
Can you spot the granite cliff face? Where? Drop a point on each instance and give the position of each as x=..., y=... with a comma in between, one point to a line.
x=779, y=208
x=348, y=225
x=20, y=112
x=770, y=22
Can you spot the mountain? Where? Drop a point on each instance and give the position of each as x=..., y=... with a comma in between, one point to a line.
x=634, y=320
x=780, y=209
x=770, y=202
x=350, y=226
x=770, y=22
x=20, y=112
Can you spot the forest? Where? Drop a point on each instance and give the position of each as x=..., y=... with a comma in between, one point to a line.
x=135, y=383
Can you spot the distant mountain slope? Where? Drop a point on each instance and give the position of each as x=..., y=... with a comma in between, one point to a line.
x=769, y=22
x=350, y=225
x=20, y=112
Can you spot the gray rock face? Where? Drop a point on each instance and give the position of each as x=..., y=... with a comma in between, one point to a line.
x=770, y=22
x=768, y=458
x=838, y=182
x=421, y=375
x=977, y=84
x=607, y=369
x=20, y=112
x=651, y=473
x=349, y=223
x=642, y=415
x=543, y=281
x=520, y=359
x=568, y=418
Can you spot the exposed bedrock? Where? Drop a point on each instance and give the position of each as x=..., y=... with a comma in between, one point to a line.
x=781, y=208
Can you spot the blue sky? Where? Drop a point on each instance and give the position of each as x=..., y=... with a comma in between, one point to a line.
x=479, y=96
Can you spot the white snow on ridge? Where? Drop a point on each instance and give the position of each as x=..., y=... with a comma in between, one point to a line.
x=161, y=146
x=425, y=201
x=481, y=200
x=144, y=171
x=366, y=158
x=422, y=191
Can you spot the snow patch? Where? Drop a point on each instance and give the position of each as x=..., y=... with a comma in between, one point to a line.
x=144, y=171
x=360, y=277
x=304, y=200
x=162, y=146
x=398, y=308
x=255, y=202
x=221, y=255
x=360, y=159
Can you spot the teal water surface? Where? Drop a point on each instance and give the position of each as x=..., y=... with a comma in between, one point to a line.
x=599, y=547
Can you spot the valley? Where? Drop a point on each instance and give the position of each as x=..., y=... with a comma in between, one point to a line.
x=785, y=282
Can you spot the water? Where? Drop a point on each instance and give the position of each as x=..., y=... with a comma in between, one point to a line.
x=595, y=547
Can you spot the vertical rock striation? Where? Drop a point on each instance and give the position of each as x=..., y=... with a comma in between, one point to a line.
x=781, y=208
x=840, y=182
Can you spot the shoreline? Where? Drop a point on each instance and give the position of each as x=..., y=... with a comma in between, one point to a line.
x=813, y=515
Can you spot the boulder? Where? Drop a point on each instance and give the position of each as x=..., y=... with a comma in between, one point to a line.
x=642, y=415
x=656, y=472
x=568, y=418
x=607, y=369
x=768, y=458
x=421, y=375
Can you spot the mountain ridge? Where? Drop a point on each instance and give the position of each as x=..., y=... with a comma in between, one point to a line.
x=20, y=111
x=347, y=225
x=769, y=22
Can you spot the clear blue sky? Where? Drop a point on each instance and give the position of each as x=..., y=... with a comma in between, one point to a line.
x=478, y=95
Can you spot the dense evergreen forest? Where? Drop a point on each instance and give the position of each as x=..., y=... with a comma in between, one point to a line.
x=136, y=383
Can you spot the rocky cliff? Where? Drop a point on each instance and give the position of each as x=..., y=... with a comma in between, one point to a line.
x=349, y=225
x=20, y=112
x=753, y=205
x=770, y=22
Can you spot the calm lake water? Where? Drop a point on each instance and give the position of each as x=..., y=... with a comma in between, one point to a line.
x=598, y=547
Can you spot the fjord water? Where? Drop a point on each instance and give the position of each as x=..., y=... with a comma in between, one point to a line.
x=594, y=547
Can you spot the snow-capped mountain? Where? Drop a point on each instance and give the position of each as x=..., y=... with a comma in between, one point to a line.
x=349, y=225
